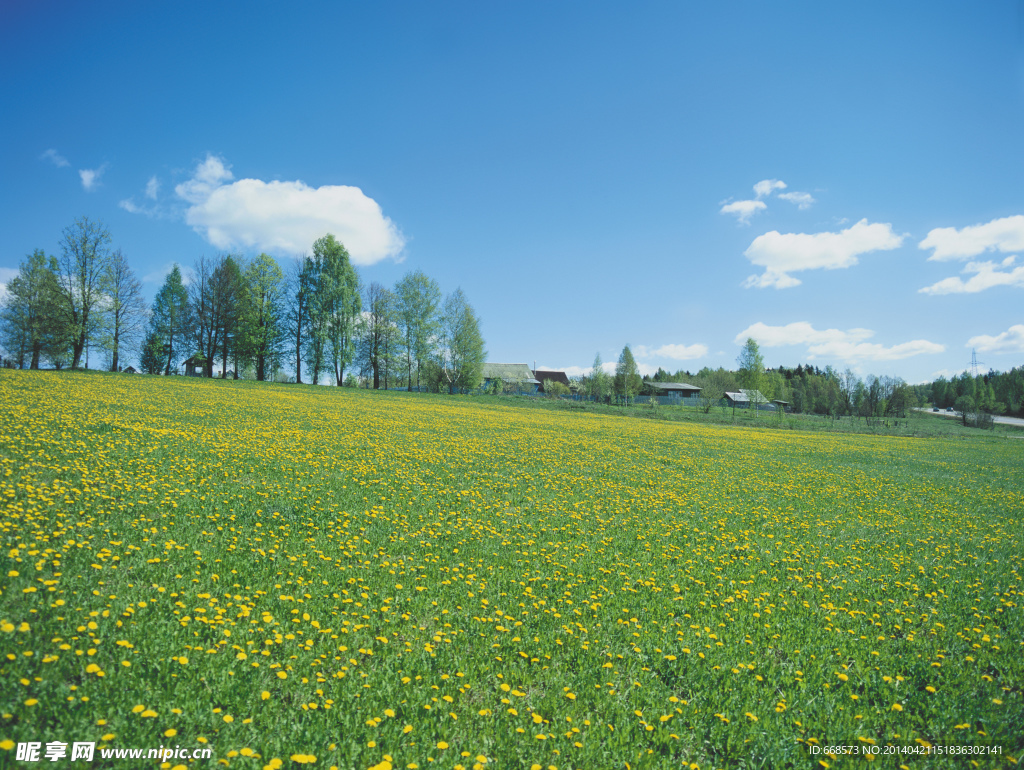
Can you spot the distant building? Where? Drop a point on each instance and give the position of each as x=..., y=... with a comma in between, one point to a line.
x=195, y=366
x=741, y=399
x=511, y=374
x=130, y=370
x=551, y=375
x=675, y=389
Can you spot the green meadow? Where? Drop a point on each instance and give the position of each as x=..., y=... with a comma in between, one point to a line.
x=338, y=578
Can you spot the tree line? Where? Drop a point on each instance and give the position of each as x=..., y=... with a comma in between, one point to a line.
x=804, y=389
x=236, y=316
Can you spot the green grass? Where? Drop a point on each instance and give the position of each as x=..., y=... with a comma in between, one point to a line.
x=444, y=579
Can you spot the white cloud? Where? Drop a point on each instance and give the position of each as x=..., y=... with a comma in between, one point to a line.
x=781, y=254
x=1010, y=341
x=152, y=188
x=55, y=158
x=849, y=345
x=947, y=373
x=285, y=216
x=743, y=210
x=675, y=352
x=768, y=186
x=91, y=177
x=948, y=243
x=985, y=276
x=801, y=200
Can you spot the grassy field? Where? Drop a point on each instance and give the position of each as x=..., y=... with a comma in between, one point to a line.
x=350, y=579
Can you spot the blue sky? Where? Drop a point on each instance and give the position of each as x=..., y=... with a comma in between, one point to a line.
x=842, y=182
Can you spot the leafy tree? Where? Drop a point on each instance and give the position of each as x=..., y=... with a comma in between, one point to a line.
x=126, y=309
x=461, y=349
x=627, y=375
x=379, y=331
x=151, y=360
x=713, y=385
x=966, y=407
x=333, y=308
x=418, y=299
x=752, y=375
x=30, y=324
x=82, y=271
x=598, y=379
x=297, y=310
x=261, y=315
x=554, y=389
x=169, y=321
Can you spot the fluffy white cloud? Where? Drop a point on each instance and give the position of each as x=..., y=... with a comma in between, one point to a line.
x=948, y=243
x=152, y=188
x=675, y=352
x=1010, y=341
x=783, y=253
x=91, y=177
x=285, y=216
x=985, y=276
x=767, y=186
x=55, y=158
x=849, y=345
x=802, y=200
x=743, y=210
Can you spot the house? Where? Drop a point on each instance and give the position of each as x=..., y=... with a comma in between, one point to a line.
x=195, y=366
x=550, y=375
x=130, y=370
x=673, y=389
x=517, y=377
x=741, y=399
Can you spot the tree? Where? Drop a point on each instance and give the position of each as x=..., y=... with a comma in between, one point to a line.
x=126, y=309
x=297, y=309
x=598, y=379
x=751, y=366
x=713, y=385
x=379, y=331
x=461, y=349
x=30, y=324
x=151, y=360
x=417, y=301
x=82, y=271
x=333, y=308
x=627, y=376
x=169, y=321
x=966, y=407
x=261, y=323
x=228, y=281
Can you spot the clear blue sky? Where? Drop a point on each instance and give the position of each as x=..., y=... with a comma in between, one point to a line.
x=585, y=172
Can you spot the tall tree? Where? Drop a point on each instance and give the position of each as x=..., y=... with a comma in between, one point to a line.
x=126, y=309
x=627, y=375
x=30, y=325
x=461, y=351
x=228, y=283
x=751, y=365
x=82, y=270
x=598, y=379
x=297, y=309
x=169, y=320
x=379, y=330
x=261, y=314
x=418, y=299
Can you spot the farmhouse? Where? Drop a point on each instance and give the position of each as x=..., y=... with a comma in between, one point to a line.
x=550, y=375
x=741, y=399
x=517, y=376
x=673, y=389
